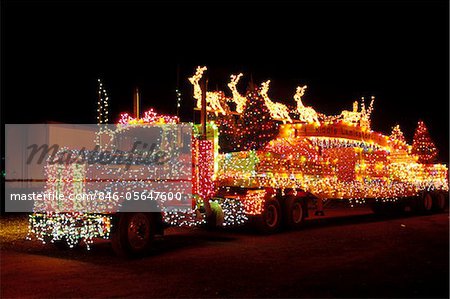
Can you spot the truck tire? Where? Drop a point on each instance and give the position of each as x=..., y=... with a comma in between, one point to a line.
x=133, y=235
x=425, y=202
x=294, y=212
x=439, y=201
x=270, y=220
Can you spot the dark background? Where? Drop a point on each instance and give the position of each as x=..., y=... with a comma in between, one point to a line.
x=53, y=52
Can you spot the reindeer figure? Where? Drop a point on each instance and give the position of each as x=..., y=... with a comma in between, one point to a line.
x=277, y=110
x=237, y=98
x=195, y=82
x=352, y=117
x=306, y=114
x=214, y=100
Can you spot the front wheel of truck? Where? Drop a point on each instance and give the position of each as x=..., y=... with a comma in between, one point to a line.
x=133, y=235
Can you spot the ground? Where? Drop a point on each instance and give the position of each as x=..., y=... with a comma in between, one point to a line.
x=355, y=256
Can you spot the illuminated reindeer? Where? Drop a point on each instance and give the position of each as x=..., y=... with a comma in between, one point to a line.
x=306, y=114
x=215, y=101
x=277, y=110
x=356, y=117
x=351, y=117
x=237, y=97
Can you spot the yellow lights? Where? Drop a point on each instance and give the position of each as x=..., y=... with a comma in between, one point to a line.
x=306, y=114
x=277, y=111
x=102, y=104
x=253, y=201
x=215, y=101
x=357, y=118
x=351, y=166
x=365, y=114
x=352, y=117
x=195, y=82
x=237, y=98
x=397, y=139
x=336, y=156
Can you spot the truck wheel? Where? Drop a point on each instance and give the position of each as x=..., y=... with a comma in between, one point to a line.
x=270, y=219
x=134, y=234
x=294, y=212
x=425, y=202
x=439, y=201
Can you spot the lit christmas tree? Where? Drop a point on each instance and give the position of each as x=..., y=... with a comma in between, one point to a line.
x=256, y=127
x=423, y=146
x=398, y=138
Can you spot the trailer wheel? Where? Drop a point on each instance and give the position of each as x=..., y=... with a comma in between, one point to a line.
x=439, y=201
x=294, y=212
x=134, y=234
x=270, y=219
x=425, y=202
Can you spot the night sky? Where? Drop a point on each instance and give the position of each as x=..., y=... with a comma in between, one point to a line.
x=53, y=53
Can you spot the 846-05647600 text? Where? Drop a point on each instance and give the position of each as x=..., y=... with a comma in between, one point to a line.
x=100, y=195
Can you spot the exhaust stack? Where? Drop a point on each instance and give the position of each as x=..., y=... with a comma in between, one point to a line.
x=136, y=103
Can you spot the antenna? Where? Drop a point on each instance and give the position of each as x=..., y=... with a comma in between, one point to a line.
x=203, y=115
x=136, y=103
x=178, y=92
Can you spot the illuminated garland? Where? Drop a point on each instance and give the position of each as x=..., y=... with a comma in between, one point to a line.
x=149, y=117
x=234, y=213
x=70, y=228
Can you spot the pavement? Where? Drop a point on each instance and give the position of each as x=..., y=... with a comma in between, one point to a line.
x=361, y=255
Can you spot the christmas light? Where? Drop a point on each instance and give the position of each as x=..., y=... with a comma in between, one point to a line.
x=352, y=117
x=215, y=101
x=363, y=165
x=422, y=145
x=149, y=117
x=306, y=114
x=278, y=111
x=329, y=156
x=237, y=98
x=71, y=228
x=102, y=104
